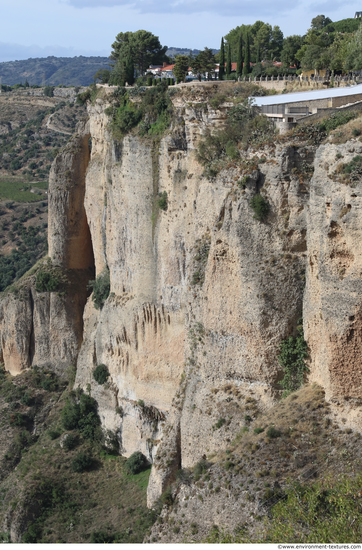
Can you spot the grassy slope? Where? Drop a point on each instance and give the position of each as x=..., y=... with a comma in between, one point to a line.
x=308, y=448
x=102, y=504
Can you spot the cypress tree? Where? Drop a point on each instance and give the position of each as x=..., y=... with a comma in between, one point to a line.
x=222, y=60
x=239, y=67
x=129, y=71
x=246, y=69
x=228, y=62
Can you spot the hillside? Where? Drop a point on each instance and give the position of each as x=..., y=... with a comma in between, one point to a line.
x=32, y=131
x=54, y=71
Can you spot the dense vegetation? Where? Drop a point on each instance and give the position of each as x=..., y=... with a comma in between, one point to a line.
x=30, y=244
x=67, y=71
x=327, y=511
x=326, y=45
x=151, y=113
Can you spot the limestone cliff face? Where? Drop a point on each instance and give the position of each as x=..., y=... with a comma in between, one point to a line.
x=167, y=338
x=202, y=294
x=332, y=304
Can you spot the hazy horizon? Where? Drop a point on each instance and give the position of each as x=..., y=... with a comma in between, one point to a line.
x=69, y=28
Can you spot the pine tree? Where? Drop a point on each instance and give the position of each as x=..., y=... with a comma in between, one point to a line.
x=222, y=60
x=257, y=60
x=246, y=69
x=239, y=67
x=228, y=62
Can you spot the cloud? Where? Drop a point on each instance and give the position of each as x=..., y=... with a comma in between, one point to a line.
x=244, y=8
x=334, y=5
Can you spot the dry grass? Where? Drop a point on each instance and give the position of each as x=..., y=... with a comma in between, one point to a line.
x=346, y=132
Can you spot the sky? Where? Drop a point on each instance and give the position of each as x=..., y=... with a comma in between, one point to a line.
x=39, y=28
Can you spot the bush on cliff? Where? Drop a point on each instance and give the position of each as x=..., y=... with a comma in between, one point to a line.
x=101, y=374
x=260, y=206
x=136, y=463
x=82, y=416
x=101, y=287
x=151, y=113
x=46, y=281
x=293, y=352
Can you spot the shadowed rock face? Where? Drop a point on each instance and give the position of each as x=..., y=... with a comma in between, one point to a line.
x=202, y=294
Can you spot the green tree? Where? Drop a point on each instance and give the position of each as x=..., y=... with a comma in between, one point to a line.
x=103, y=75
x=144, y=48
x=257, y=56
x=228, y=62
x=319, y=22
x=181, y=67
x=353, y=54
x=276, y=44
x=263, y=38
x=204, y=63
x=239, y=65
x=291, y=46
x=222, y=60
x=246, y=69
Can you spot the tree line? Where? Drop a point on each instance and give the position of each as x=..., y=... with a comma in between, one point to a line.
x=335, y=46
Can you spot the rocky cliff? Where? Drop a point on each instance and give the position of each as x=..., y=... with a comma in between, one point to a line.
x=201, y=293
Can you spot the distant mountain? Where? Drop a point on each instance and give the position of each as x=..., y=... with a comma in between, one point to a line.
x=172, y=51
x=70, y=71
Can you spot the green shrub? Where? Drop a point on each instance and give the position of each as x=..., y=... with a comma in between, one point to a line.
x=273, y=433
x=293, y=352
x=220, y=423
x=82, y=462
x=49, y=91
x=258, y=430
x=162, y=200
x=354, y=169
x=201, y=467
x=136, y=463
x=70, y=442
x=46, y=281
x=231, y=150
x=101, y=288
x=81, y=416
x=356, y=132
x=149, y=81
x=260, y=206
x=101, y=374
x=166, y=497
x=26, y=399
x=336, y=120
x=54, y=434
